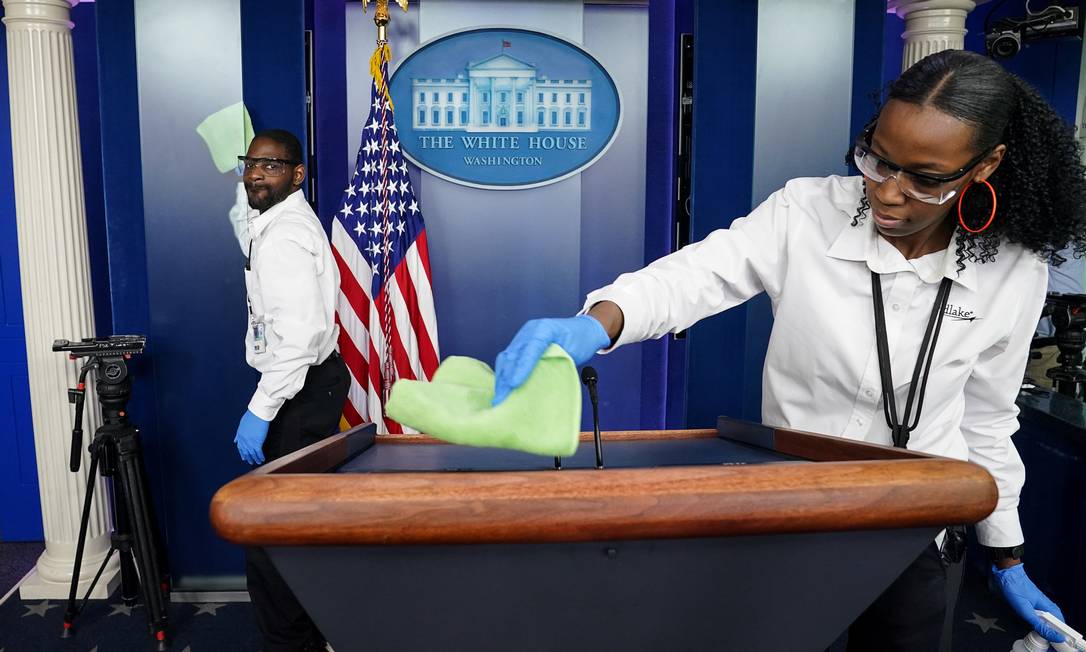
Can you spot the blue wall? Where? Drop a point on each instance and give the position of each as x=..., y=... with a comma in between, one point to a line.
x=724, y=74
x=195, y=291
x=272, y=64
x=20, y=518
x=330, y=104
x=1051, y=66
x=663, y=361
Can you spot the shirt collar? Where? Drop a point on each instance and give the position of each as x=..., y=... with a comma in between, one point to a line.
x=258, y=222
x=862, y=243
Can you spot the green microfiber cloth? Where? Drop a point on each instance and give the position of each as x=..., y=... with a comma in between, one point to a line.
x=542, y=416
x=227, y=133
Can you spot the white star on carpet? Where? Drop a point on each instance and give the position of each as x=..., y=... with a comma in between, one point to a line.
x=39, y=609
x=121, y=609
x=984, y=623
x=208, y=608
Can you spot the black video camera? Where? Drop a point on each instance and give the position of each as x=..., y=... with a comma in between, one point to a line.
x=1005, y=38
x=114, y=345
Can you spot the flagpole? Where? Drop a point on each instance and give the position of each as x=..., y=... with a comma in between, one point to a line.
x=379, y=70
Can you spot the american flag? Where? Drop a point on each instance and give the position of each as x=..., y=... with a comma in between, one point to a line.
x=385, y=308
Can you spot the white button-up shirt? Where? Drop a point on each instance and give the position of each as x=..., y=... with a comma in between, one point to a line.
x=821, y=371
x=292, y=286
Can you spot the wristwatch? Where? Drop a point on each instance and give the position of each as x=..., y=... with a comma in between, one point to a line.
x=996, y=554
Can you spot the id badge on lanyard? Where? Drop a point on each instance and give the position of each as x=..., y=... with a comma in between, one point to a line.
x=256, y=322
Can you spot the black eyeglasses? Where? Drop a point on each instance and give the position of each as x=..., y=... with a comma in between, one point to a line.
x=273, y=167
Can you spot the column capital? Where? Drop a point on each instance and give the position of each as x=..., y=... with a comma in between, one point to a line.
x=902, y=8
x=931, y=26
x=43, y=12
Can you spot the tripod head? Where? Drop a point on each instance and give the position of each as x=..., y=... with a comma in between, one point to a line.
x=1068, y=313
x=112, y=383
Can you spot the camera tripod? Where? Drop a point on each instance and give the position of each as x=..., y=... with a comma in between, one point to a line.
x=115, y=452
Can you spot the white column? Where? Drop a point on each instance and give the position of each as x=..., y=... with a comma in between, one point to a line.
x=931, y=26
x=56, y=289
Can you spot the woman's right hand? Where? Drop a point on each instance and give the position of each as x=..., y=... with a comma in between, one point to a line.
x=580, y=336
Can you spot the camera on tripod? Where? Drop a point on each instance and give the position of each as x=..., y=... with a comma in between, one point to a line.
x=107, y=356
x=103, y=346
x=116, y=452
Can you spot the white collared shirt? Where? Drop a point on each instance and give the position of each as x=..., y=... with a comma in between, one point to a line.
x=292, y=286
x=821, y=370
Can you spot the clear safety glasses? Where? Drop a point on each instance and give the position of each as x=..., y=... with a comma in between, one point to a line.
x=928, y=188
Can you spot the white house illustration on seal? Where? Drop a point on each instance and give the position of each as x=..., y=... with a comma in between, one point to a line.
x=502, y=94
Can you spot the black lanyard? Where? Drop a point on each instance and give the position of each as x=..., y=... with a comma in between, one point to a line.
x=249, y=268
x=900, y=430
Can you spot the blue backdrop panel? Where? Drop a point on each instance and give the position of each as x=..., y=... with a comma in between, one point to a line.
x=663, y=372
x=330, y=106
x=272, y=59
x=724, y=70
x=85, y=58
x=195, y=282
x=867, y=62
x=613, y=219
x=125, y=240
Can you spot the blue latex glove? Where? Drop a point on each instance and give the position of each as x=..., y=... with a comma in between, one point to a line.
x=252, y=431
x=580, y=336
x=1024, y=596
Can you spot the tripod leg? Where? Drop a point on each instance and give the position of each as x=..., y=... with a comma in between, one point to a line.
x=122, y=535
x=144, y=546
x=160, y=548
x=72, y=612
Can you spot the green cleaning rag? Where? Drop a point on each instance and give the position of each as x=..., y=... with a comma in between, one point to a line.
x=227, y=133
x=542, y=416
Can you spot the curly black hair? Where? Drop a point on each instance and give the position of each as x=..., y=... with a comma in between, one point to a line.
x=1040, y=184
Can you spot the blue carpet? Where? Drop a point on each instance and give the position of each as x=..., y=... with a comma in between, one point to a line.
x=16, y=560
x=983, y=623
x=107, y=626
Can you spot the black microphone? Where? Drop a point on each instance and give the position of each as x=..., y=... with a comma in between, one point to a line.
x=589, y=378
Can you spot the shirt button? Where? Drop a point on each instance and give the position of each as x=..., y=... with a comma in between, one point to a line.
x=869, y=393
x=897, y=306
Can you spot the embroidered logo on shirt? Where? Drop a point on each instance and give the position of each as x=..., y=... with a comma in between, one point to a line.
x=958, y=313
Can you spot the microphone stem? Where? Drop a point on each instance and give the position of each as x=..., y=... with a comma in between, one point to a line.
x=596, y=425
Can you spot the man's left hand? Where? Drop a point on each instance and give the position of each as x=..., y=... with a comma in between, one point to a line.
x=252, y=431
x=1024, y=597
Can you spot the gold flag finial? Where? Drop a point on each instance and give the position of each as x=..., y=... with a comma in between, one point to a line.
x=381, y=17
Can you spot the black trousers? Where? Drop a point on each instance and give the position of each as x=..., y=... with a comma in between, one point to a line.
x=911, y=615
x=310, y=416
